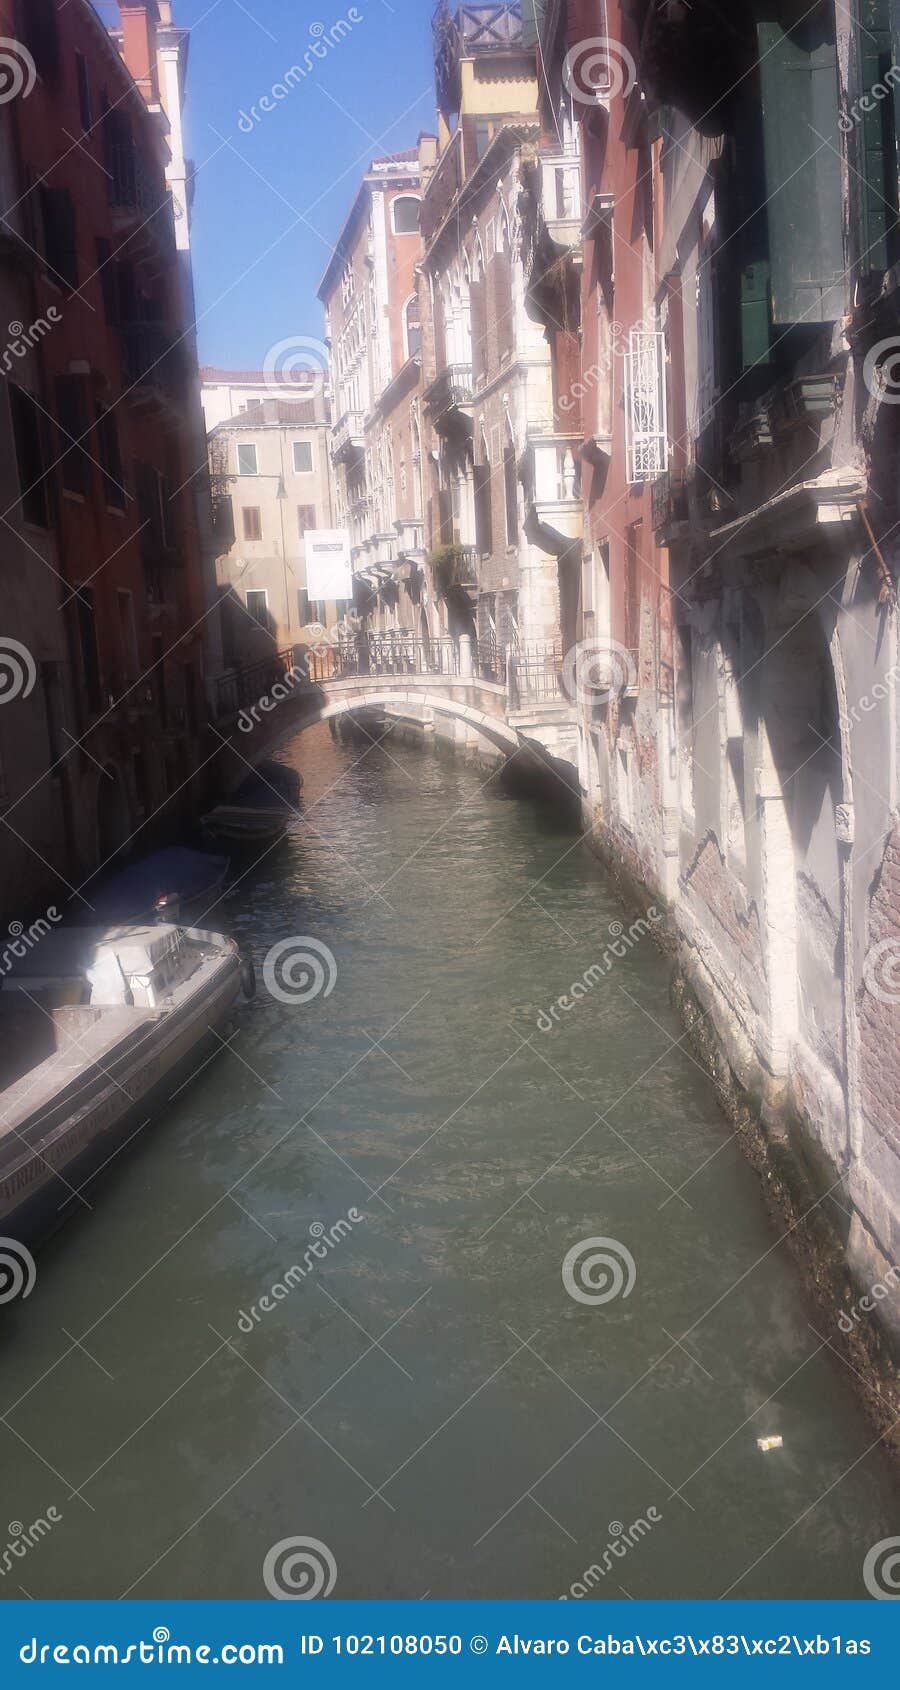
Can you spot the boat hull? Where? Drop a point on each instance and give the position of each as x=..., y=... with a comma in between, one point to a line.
x=45, y=1186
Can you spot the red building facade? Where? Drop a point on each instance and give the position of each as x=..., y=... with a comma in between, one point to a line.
x=104, y=588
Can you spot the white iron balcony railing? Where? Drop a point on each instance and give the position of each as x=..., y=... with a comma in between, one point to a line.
x=646, y=433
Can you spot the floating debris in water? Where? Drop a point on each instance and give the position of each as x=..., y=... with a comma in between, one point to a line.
x=765, y=1444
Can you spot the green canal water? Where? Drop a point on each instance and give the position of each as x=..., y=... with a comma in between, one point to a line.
x=427, y=1399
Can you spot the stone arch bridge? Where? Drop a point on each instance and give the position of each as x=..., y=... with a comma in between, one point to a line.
x=468, y=695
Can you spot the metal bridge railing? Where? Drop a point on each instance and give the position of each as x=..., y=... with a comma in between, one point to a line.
x=532, y=673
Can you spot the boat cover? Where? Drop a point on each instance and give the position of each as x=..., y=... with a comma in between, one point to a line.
x=134, y=890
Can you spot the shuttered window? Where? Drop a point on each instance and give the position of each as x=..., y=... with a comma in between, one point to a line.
x=872, y=123
x=799, y=88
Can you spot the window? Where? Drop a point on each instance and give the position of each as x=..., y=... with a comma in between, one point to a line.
x=412, y=327
x=645, y=406
x=59, y=241
x=482, y=483
x=306, y=518
x=153, y=511
x=223, y=520
x=71, y=415
x=87, y=639
x=405, y=214
x=111, y=460
x=597, y=595
x=246, y=460
x=258, y=604
x=108, y=273
x=510, y=483
x=160, y=690
x=39, y=29
x=303, y=457
x=127, y=634
x=30, y=459
x=799, y=87
x=303, y=606
x=252, y=522
x=84, y=93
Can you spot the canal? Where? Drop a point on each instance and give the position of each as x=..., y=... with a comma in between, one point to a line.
x=424, y=1394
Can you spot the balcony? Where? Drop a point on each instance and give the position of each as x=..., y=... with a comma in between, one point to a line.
x=137, y=194
x=348, y=438
x=154, y=369
x=669, y=508
x=468, y=33
x=410, y=537
x=449, y=399
x=561, y=199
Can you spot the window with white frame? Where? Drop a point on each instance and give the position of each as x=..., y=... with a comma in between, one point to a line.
x=247, y=463
x=405, y=214
x=646, y=436
x=258, y=604
x=303, y=457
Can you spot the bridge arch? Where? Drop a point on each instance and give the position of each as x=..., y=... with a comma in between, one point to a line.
x=410, y=701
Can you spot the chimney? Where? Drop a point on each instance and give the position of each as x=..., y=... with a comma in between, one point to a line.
x=138, y=42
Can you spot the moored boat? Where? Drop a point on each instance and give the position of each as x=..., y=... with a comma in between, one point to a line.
x=175, y=884
x=97, y=1027
x=260, y=810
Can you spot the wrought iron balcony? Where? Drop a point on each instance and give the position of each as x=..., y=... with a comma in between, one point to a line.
x=449, y=397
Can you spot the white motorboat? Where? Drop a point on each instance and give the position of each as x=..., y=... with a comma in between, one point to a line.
x=98, y=1025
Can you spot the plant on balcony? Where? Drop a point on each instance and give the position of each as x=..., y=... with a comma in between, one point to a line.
x=453, y=566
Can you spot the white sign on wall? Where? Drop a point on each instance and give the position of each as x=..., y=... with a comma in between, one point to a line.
x=328, y=571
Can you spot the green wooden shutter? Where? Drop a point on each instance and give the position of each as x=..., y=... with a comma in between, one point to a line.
x=876, y=134
x=755, y=307
x=799, y=88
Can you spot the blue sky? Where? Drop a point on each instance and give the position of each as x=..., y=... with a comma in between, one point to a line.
x=256, y=266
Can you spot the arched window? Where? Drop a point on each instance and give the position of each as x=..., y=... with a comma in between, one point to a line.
x=412, y=327
x=405, y=214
